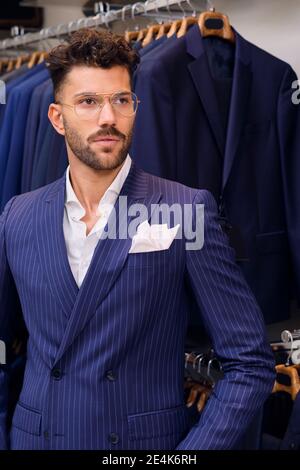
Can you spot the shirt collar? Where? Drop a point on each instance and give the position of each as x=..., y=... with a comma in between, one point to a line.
x=112, y=191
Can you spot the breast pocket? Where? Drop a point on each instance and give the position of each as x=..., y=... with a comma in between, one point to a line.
x=154, y=259
x=147, y=259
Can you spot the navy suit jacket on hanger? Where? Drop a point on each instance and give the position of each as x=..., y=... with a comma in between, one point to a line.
x=251, y=167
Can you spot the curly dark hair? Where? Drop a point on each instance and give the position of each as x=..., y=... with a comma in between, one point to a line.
x=92, y=48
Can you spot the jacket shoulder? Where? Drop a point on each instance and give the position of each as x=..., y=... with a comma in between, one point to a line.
x=25, y=201
x=173, y=191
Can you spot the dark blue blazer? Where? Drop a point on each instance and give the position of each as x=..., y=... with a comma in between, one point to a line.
x=47, y=155
x=14, y=82
x=105, y=363
x=58, y=161
x=252, y=167
x=19, y=106
x=35, y=131
x=153, y=45
x=291, y=439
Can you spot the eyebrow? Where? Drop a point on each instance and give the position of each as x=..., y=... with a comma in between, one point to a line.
x=89, y=93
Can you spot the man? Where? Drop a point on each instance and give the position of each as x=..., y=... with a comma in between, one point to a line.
x=106, y=314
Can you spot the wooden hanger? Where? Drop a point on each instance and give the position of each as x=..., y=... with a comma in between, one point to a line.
x=43, y=57
x=210, y=20
x=142, y=34
x=198, y=393
x=174, y=28
x=154, y=29
x=11, y=64
x=293, y=373
x=3, y=64
x=131, y=35
x=20, y=60
x=164, y=28
x=186, y=22
x=34, y=59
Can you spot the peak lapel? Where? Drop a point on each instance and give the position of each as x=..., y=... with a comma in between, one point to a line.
x=203, y=82
x=51, y=247
x=239, y=104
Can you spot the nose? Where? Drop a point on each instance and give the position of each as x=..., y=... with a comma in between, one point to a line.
x=107, y=115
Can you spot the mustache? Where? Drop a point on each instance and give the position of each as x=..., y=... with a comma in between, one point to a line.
x=110, y=131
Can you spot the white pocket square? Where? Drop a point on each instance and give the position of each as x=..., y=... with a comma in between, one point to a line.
x=154, y=237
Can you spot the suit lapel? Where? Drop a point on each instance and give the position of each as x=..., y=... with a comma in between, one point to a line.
x=50, y=243
x=203, y=82
x=201, y=76
x=108, y=260
x=239, y=104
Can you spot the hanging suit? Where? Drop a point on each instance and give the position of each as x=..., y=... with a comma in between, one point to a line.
x=291, y=439
x=20, y=102
x=153, y=45
x=37, y=124
x=8, y=113
x=105, y=363
x=250, y=163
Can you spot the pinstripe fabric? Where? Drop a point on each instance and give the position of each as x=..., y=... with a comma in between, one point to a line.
x=117, y=343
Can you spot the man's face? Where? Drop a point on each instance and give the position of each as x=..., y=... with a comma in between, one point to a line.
x=102, y=142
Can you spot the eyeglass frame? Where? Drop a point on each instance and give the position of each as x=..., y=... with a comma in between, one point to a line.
x=101, y=107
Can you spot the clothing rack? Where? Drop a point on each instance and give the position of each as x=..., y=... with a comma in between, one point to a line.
x=105, y=18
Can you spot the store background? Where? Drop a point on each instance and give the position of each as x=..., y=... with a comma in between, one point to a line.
x=270, y=24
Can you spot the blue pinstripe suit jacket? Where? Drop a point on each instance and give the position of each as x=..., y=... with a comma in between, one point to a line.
x=105, y=363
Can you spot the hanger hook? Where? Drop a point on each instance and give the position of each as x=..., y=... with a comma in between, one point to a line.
x=181, y=7
x=126, y=7
x=287, y=337
x=70, y=26
x=168, y=8
x=79, y=21
x=186, y=360
x=200, y=363
x=100, y=7
x=146, y=6
x=210, y=362
x=135, y=6
x=44, y=35
x=196, y=359
x=59, y=27
x=210, y=6
x=106, y=17
x=194, y=14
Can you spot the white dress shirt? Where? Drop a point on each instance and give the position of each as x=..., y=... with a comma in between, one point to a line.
x=81, y=247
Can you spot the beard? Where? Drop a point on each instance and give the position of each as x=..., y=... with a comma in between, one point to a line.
x=89, y=157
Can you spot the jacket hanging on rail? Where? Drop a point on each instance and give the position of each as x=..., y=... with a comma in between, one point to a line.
x=225, y=121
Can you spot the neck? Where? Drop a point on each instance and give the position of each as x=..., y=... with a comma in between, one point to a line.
x=90, y=185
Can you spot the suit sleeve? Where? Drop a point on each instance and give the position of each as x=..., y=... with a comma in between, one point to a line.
x=7, y=311
x=235, y=325
x=288, y=127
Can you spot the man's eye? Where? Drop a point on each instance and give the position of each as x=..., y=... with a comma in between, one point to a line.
x=88, y=101
x=121, y=100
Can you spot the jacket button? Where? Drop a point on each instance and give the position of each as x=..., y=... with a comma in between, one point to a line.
x=292, y=445
x=114, y=438
x=46, y=434
x=110, y=375
x=56, y=374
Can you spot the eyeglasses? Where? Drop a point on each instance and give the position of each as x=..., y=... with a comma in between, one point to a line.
x=86, y=107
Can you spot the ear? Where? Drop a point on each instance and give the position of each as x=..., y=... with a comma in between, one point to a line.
x=55, y=116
